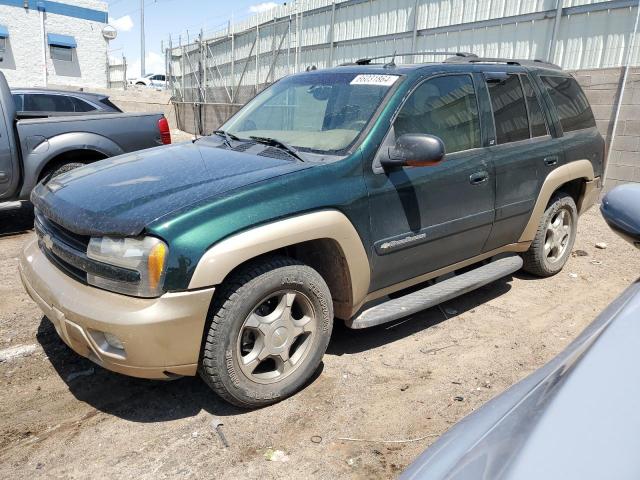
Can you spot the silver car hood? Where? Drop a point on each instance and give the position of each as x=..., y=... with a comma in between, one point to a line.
x=575, y=418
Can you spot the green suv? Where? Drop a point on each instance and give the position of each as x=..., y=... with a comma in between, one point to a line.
x=363, y=193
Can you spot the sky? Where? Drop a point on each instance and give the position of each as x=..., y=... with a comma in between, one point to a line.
x=170, y=17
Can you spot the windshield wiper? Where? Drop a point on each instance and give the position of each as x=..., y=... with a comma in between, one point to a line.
x=227, y=137
x=274, y=142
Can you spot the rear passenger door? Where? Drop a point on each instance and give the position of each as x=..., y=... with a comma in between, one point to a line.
x=522, y=150
x=579, y=138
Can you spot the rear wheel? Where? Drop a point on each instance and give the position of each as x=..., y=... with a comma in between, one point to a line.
x=554, y=238
x=270, y=326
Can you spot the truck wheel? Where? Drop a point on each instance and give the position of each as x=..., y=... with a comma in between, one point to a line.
x=269, y=327
x=554, y=238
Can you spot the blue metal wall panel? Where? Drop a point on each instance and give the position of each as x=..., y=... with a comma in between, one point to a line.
x=61, y=9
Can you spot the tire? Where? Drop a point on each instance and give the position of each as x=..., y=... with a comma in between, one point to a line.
x=64, y=168
x=255, y=323
x=554, y=238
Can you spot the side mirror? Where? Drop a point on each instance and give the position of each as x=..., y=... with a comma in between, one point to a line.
x=621, y=209
x=415, y=150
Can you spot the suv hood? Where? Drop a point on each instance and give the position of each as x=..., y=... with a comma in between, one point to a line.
x=122, y=195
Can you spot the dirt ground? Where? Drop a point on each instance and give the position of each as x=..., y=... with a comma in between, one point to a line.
x=63, y=417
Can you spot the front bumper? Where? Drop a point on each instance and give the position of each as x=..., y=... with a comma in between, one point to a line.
x=161, y=336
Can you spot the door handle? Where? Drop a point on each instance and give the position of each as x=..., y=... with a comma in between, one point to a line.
x=551, y=161
x=478, y=178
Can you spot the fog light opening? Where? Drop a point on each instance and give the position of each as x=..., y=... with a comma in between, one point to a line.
x=113, y=341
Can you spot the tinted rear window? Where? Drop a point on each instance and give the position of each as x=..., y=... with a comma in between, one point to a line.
x=36, y=102
x=536, y=116
x=509, y=109
x=571, y=103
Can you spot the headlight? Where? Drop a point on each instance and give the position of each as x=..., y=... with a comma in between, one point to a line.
x=146, y=256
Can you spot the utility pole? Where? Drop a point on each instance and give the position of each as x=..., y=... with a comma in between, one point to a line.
x=142, y=49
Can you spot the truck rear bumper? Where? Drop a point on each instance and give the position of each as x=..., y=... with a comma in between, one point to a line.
x=161, y=336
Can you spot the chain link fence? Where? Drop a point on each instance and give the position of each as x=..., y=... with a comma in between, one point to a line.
x=117, y=73
x=211, y=79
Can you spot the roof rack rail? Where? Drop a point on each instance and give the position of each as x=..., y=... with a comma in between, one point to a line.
x=367, y=61
x=507, y=61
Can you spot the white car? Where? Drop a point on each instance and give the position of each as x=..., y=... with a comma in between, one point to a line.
x=152, y=80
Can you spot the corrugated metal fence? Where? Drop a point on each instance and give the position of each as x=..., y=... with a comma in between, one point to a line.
x=212, y=77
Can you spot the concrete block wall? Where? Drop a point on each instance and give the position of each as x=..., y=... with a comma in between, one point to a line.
x=23, y=62
x=603, y=87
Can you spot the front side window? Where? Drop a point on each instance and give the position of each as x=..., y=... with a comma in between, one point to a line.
x=445, y=107
x=3, y=44
x=62, y=53
x=571, y=103
x=323, y=112
x=509, y=108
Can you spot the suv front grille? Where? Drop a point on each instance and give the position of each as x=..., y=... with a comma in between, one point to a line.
x=78, y=242
x=61, y=246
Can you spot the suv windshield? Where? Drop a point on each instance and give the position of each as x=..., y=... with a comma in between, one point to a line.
x=322, y=112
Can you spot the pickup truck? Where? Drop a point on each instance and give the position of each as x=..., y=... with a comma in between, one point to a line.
x=35, y=147
x=363, y=193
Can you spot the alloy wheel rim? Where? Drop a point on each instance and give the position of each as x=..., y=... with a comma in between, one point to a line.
x=276, y=337
x=558, y=235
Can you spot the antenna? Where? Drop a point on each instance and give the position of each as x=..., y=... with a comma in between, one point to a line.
x=392, y=63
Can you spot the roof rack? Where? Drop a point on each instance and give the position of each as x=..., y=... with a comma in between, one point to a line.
x=367, y=61
x=460, y=57
x=507, y=61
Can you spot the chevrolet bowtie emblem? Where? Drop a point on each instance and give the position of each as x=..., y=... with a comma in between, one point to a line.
x=47, y=242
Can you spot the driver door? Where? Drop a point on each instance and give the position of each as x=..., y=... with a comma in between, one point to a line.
x=426, y=218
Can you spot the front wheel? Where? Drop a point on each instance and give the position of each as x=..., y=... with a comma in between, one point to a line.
x=554, y=238
x=270, y=326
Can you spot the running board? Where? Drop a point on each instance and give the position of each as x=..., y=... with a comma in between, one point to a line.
x=10, y=205
x=433, y=295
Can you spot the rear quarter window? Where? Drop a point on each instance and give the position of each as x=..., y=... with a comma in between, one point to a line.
x=571, y=103
x=110, y=104
x=81, y=106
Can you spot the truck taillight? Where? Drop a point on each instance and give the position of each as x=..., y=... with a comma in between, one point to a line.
x=165, y=133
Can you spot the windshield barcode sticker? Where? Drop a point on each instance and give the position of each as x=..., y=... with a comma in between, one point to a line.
x=368, y=79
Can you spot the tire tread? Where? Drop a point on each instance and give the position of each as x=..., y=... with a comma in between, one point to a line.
x=230, y=292
x=533, y=258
